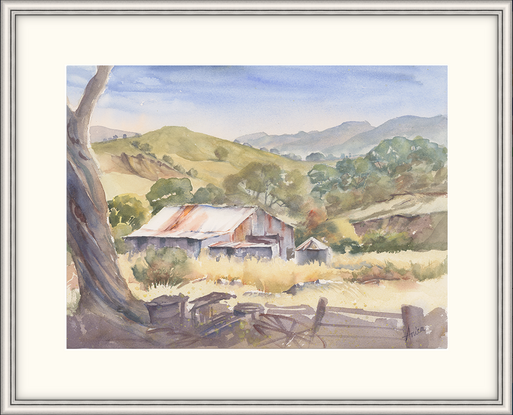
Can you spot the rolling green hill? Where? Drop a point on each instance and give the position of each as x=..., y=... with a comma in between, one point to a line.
x=144, y=157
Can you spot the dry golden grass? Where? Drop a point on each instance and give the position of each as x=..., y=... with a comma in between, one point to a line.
x=115, y=183
x=387, y=296
x=272, y=276
x=264, y=282
x=402, y=259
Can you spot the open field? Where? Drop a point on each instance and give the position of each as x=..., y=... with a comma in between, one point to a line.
x=265, y=282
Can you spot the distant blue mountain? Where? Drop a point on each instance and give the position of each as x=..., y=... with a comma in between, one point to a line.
x=304, y=143
x=409, y=126
x=355, y=137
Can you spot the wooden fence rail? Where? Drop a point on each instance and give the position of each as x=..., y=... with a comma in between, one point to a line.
x=273, y=326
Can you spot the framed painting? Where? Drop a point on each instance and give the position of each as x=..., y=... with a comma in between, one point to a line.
x=264, y=208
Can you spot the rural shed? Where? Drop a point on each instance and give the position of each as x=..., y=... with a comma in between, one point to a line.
x=312, y=251
x=194, y=227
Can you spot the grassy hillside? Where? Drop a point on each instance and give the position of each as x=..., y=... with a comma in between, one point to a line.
x=188, y=149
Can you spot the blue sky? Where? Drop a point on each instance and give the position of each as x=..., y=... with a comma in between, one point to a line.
x=231, y=101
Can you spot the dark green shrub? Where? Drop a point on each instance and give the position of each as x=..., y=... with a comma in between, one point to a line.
x=429, y=272
x=168, y=160
x=145, y=147
x=221, y=153
x=166, y=266
x=347, y=245
x=375, y=241
x=179, y=168
x=390, y=267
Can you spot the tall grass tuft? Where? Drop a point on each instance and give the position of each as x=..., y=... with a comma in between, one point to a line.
x=429, y=272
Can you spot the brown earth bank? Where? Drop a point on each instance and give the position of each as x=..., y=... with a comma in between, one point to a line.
x=428, y=231
x=142, y=166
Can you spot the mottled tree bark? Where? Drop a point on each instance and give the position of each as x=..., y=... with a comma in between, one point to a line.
x=103, y=290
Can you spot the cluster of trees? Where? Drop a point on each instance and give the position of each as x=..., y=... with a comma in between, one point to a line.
x=166, y=192
x=115, y=137
x=267, y=184
x=315, y=156
x=146, y=149
x=127, y=212
x=395, y=166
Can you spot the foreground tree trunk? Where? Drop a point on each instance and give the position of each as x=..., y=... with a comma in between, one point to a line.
x=103, y=290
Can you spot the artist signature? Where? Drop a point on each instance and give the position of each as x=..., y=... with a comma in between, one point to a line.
x=410, y=334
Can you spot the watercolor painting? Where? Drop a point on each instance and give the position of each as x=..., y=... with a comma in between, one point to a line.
x=256, y=207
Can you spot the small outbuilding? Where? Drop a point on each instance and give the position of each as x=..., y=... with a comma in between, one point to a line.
x=312, y=251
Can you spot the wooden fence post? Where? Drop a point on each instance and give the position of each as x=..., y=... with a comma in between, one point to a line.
x=319, y=315
x=414, y=327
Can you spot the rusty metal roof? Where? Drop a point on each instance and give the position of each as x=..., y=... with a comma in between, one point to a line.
x=194, y=221
x=312, y=244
